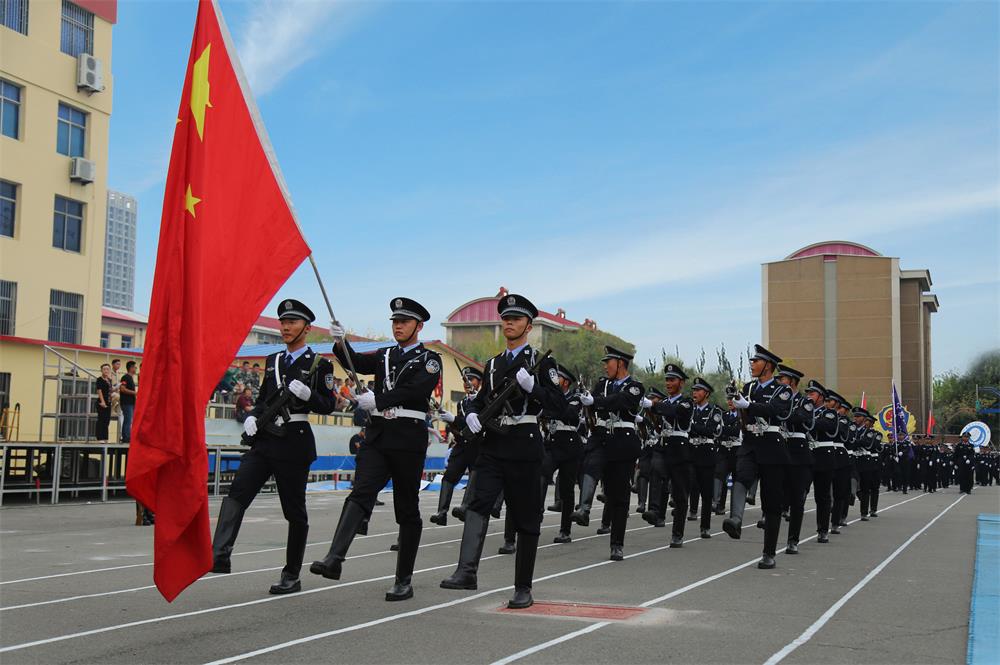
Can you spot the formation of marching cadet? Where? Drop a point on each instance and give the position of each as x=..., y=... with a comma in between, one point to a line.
x=527, y=422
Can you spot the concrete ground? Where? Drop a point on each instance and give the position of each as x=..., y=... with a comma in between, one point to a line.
x=76, y=587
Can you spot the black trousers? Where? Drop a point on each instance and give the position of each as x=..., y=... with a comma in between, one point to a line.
x=869, y=490
x=841, y=492
x=375, y=467
x=773, y=479
x=567, y=463
x=103, y=419
x=797, y=486
x=703, y=488
x=823, y=494
x=679, y=476
x=461, y=459
x=289, y=475
x=521, y=484
x=617, y=494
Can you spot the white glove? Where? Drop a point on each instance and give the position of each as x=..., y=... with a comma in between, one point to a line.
x=638, y=419
x=300, y=390
x=336, y=331
x=472, y=422
x=645, y=402
x=250, y=425
x=525, y=380
x=741, y=402
x=446, y=416
x=366, y=401
x=586, y=399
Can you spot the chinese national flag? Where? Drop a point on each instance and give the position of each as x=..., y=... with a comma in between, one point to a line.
x=224, y=212
x=930, y=423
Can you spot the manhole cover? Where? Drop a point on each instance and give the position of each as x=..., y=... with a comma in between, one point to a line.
x=579, y=611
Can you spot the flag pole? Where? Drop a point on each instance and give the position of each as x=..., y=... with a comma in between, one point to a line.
x=333, y=317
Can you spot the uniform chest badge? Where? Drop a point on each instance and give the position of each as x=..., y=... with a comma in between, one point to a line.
x=634, y=390
x=328, y=381
x=432, y=366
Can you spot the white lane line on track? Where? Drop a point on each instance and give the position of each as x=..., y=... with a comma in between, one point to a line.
x=483, y=594
x=808, y=633
x=271, y=599
x=649, y=603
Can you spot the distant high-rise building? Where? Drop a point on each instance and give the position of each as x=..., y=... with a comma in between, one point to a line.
x=119, y=251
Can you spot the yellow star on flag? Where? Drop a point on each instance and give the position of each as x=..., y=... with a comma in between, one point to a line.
x=199, y=91
x=190, y=201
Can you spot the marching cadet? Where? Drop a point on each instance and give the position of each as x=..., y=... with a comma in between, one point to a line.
x=395, y=440
x=842, y=470
x=706, y=427
x=283, y=446
x=825, y=435
x=868, y=468
x=765, y=404
x=797, y=429
x=672, y=458
x=616, y=399
x=511, y=452
x=963, y=457
x=725, y=464
x=463, y=453
x=563, y=450
x=644, y=468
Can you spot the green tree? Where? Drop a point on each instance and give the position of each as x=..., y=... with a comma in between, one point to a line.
x=955, y=395
x=482, y=348
x=581, y=350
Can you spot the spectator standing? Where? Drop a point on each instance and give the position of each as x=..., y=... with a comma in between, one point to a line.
x=103, y=403
x=356, y=442
x=254, y=379
x=128, y=389
x=244, y=404
x=116, y=379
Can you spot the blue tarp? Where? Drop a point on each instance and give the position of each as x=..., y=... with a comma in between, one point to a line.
x=984, y=612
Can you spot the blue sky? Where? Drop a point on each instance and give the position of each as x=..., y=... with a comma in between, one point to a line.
x=632, y=163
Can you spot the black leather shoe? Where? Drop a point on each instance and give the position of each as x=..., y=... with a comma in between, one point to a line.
x=582, y=517
x=458, y=512
x=732, y=527
x=692, y=518
x=705, y=533
x=760, y=524
x=835, y=529
x=766, y=562
x=822, y=537
x=864, y=518
x=603, y=530
x=394, y=547
x=379, y=502
x=288, y=584
x=522, y=599
x=401, y=590
x=363, y=528
x=676, y=541
x=874, y=514
x=507, y=548
x=617, y=553
x=222, y=566
x=660, y=523
x=641, y=508
x=792, y=548
x=441, y=519
x=554, y=508
x=650, y=516
x=330, y=570
x=563, y=537
x=751, y=501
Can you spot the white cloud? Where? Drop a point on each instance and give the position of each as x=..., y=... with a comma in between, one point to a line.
x=280, y=36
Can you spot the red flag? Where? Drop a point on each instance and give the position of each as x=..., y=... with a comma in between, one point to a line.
x=224, y=208
x=930, y=423
x=864, y=400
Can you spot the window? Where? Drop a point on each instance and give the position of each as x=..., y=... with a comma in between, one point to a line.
x=10, y=107
x=105, y=340
x=77, y=30
x=8, y=305
x=71, y=132
x=8, y=206
x=67, y=224
x=65, y=316
x=126, y=341
x=14, y=15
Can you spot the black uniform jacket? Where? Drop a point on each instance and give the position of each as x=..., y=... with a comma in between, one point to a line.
x=617, y=404
x=770, y=406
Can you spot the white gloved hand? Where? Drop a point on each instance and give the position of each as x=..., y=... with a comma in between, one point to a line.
x=741, y=402
x=446, y=416
x=525, y=380
x=645, y=402
x=250, y=425
x=336, y=330
x=638, y=419
x=300, y=390
x=366, y=401
x=586, y=399
x=472, y=422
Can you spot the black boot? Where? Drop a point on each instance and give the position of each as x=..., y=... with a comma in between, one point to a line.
x=469, y=552
x=643, y=484
x=676, y=541
x=793, y=546
x=563, y=537
x=733, y=525
x=351, y=518
x=524, y=571
x=497, y=505
x=822, y=537
x=617, y=553
x=752, y=494
x=295, y=550
x=395, y=546
x=766, y=562
x=587, y=488
x=444, y=501
x=509, y=535
x=772, y=528
x=717, y=498
x=226, y=530
x=706, y=533
x=458, y=512
x=605, y=527
x=409, y=543
x=363, y=527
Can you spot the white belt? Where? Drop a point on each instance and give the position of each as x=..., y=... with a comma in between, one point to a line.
x=770, y=428
x=519, y=420
x=697, y=441
x=396, y=412
x=734, y=443
x=829, y=444
x=606, y=424
x=675, y=433
x=796, y=435
x=293, y=418
x=565, y=428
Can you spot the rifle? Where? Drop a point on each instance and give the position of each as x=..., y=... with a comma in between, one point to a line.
x=490, y=413
x=277, y=406
x=588, y=412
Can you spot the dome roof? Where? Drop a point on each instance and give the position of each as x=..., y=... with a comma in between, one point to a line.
x=834, y=248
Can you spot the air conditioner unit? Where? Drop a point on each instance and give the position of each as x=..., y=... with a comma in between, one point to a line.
x=82, y=170
x=89, y=73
